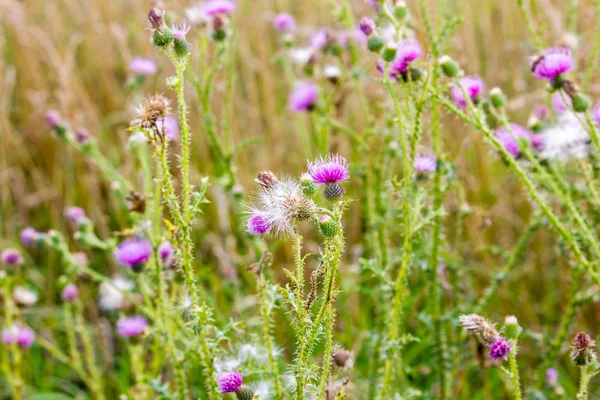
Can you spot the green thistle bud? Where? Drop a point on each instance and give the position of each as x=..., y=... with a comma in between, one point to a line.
x=389, y=52
x=162, y=37
x=581, y=102
x=375, y=43
x=219, y=35
x=308, y=186
x=245, y=393
x=497, y=98
x=512, y=330
x=181, y=47
x=449, y=67
x=400, y=10
x=328, y=226
x=333, y=192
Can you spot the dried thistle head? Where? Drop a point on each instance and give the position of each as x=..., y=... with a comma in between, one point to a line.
x=484, y=330
x=267, y=179
x=340, y=357
x=152, y=110
x=582, y=349
x=156, y=16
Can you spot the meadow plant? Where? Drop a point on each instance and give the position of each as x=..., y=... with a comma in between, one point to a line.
x=373, y=241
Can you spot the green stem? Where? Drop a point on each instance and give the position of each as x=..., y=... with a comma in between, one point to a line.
x=514, y=370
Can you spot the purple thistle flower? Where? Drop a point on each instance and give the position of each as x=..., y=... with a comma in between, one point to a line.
x=367, y=25
x=320, y=39
x=558, y=102
x=75, y=214
x=332, y=169
x=407, y=51
x=596, y=114
x=131, y=326
x=165, y=251
x=304, y=97
x=179, y=32
x=23, y=336
x=215, y=7
x=170, y=125
x=52, y=119
x=552, y=62
x=285, y=22
x=133, y=252
x=143, y=66
x=258, y=224
x=510, y=140
x=11, y=257
x=541, y=112
x=375, y=4
x=551, y=376
x=230, y=382
x=499, y=349
x=537, y=141
x=29, y=236
x=425, y=163
x=70, y=292
x=81, y=135
x=473, y=86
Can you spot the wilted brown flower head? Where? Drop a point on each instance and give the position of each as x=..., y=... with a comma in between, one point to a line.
x=152, y=110
x=156, y=17
x=570, y=88
x=582, y=349
x=484, y=330
x=267, y=179
x=340, y=357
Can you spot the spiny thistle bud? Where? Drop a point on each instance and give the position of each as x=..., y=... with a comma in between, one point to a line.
x=375, y=43
x=485, y=332
x=162, y=37
x=308, y=185
x=267, y=179
x=328, y=226
x=219, y=27
x=245, y=393
x=512, y=330
x=333, y=192
x=582, y=349
x=400, y=10
x=497, y=97
x=340, y=357
x=389, y=52
x=152, y=110
x=180, y=45
x=581, y=102
x=450, y=67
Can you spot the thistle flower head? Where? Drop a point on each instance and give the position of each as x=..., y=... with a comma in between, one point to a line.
x=111, y=295
x=473, y=86
x=551, y=376
x=22, y=335
x=133, y=253
x=596, y=114
x=11, y=257
x=156, y=16
x=560, y=102
x=509, y=138
x=565, y=139
x=142, y=66
x=267, y=179
x=151, y=112
x=69, y=293
x=284, y=22
x=165, y=251
x=341, y=357
x=321, y=39
x=367, y=25
x=551, y=63
x=81, y=135
x=131, y=326
x=258, y=224
x=212, y=8
x=408, y=51
x=180, y=31
x=425, y=163
x=499, y=349
x=582, y=349
x=230, y=382
x=53, y=119
x=485, y=331
x=169, y=126
x=29, y=236
x=75, y=214
x=304, y=97
x=331, y=169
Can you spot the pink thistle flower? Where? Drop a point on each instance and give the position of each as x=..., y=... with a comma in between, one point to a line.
x=53, y=119
x=304, y=97
x=81, y=135
x=332, y=169
x=551, y=376
x=258, y=224
x=425, y=163
x=509, y=140
x=473, y=86
x=320, y=39
x=170, y=126
x=367, y=25
x=596, y=114
x=499, y=350
x=537, y=141
x=143, y=66
x=179, y=32
x=22, y=335
x=230, y=382
x=552, y=62
x=29, y=236
x=69, y=293
x=216, y=7
x=165, y=251
x=407, y=51
x=11, y=257
x=75, y=214
x=285, y=22
x=134, y=253
x=132, y=326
